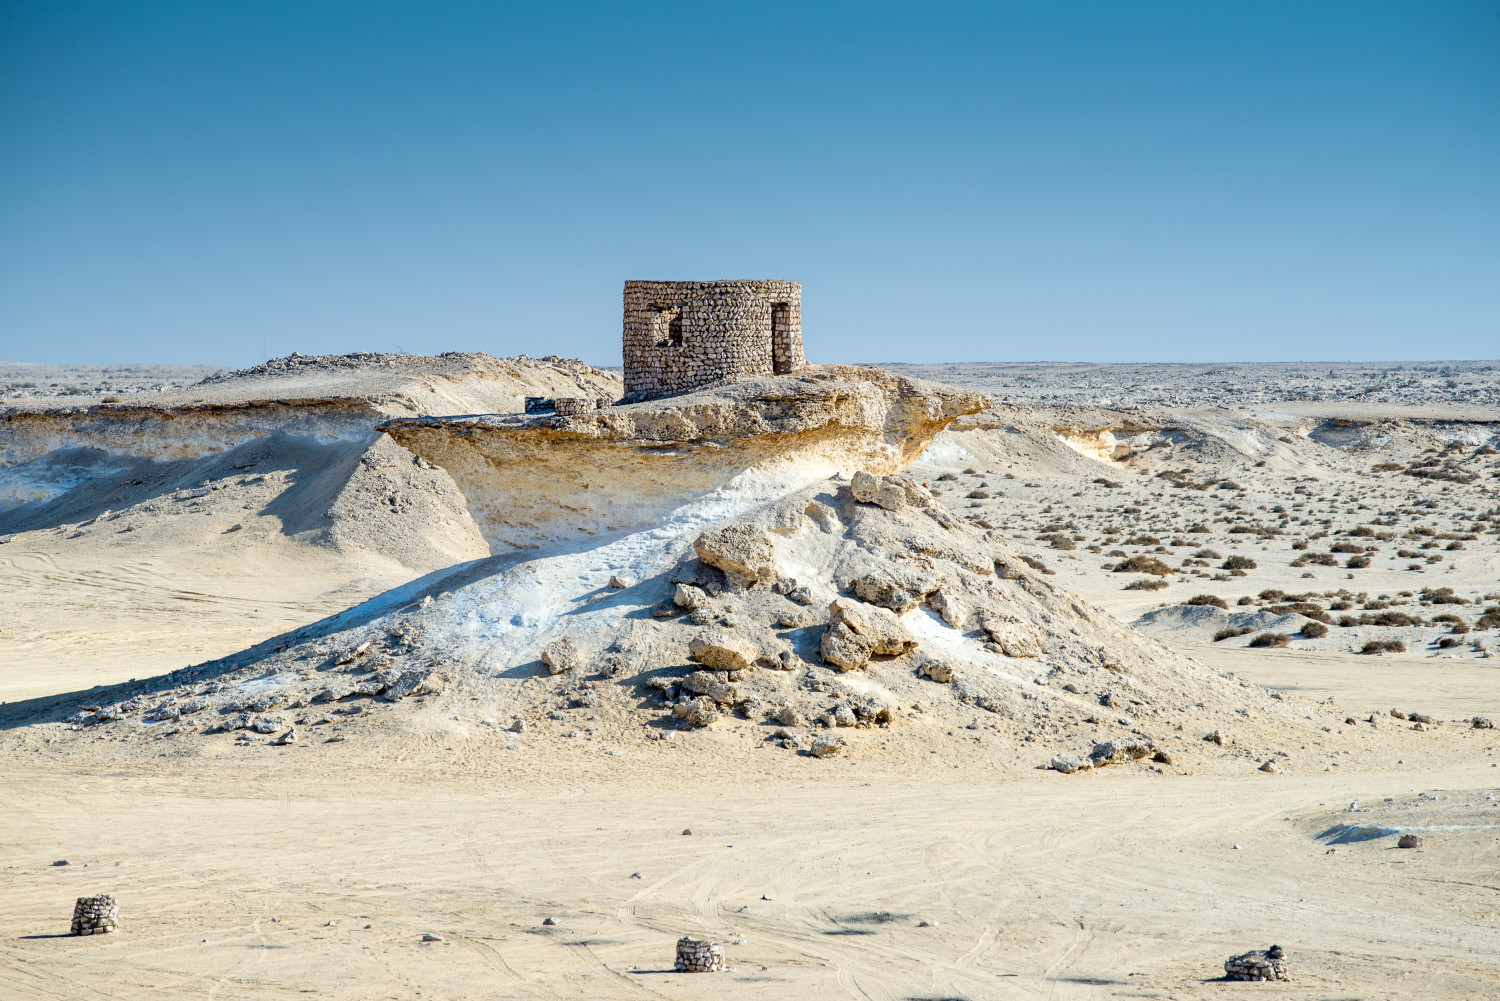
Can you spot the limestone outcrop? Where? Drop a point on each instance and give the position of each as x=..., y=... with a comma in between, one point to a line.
x=540, y=480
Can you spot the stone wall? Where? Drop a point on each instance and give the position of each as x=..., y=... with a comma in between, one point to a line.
x=681, y=335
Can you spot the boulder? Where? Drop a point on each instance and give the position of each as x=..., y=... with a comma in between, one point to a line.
x=949, y=606
x=893, y=588
x=723, y=650
x=1013, y=637
x=938, y=671
x=744, y=554
x=704, y=683
x=561, y=656
x=417, y=681
x=696, y=712
x=689, y=597
x=890, y=492
x=827, y=747
x=856, y=631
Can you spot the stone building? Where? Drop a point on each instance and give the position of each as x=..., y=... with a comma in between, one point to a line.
x=681, y=335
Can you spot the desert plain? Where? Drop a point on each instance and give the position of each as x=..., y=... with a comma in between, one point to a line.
x=349, y=679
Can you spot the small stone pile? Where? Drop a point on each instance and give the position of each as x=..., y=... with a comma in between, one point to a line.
x=1268, y=965
x=95, y=915
x=697, y=956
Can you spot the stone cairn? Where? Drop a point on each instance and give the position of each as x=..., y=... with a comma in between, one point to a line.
x=696, y=956
x=95, y=915
x=1268, y=965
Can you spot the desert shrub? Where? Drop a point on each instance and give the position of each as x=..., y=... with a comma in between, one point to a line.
x=1245, y=600
x=1347, y=621
x=1383, y=646
x=1490, y=619
x=1357, y=562
x=1146, y=584
x=1111, y=484
x=1456, y=625
x=1199, y=530
x=1299, y=544
x=1206, y=554
x=1346, y=547
x=1389, y=619
x=1444, y=642
x=1056, y=540
x=1035, y=564
x=1271, y=594
x=1208, y=599
x=1144, y=564
x=1228, y=634
x=1313, y=629
x=1271, y=640
x=1239, y=563
x=1443, y=596
x=1338, y=606
x=1143, y=540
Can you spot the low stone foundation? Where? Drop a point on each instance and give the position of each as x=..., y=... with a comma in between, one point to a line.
x=696, y=956
x=1268, y=965
x=95, y=915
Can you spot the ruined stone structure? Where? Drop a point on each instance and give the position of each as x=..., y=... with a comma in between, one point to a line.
x=95, y=915
x=681, y=335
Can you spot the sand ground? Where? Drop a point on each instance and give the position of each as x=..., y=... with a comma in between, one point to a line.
x=322, y=881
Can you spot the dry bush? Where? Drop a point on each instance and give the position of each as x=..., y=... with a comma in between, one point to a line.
x=1208, y=599
x=1383, y=646
x=1314, y=629
x=1271, y=640
x=1146, y=584
x=1144, y=564
x=1239, y=563
x=1226, y=634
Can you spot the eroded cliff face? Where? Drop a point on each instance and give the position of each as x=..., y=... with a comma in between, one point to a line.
x=540, y=481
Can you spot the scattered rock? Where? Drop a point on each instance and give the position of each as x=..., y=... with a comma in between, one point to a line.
x=429, y=937
x=1270, y=766
x=549, y=921
x=1215, y=738
x=617, y=582
x=290, y=737
x=1409, y=841
x=1481, y=723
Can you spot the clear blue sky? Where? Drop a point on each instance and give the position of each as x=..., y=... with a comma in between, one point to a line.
x=1112, y=181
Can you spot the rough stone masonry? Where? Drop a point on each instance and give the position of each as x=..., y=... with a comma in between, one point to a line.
x=682, y=335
